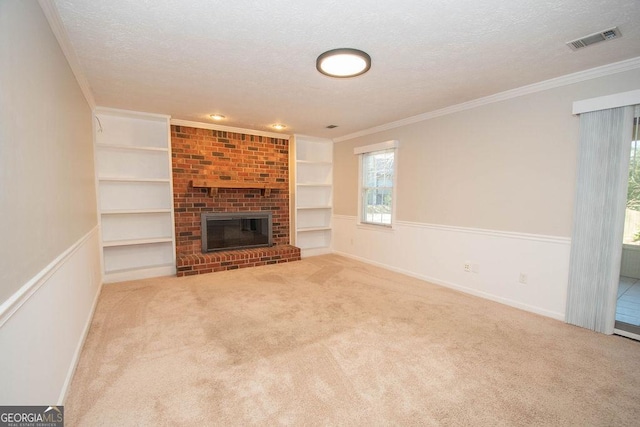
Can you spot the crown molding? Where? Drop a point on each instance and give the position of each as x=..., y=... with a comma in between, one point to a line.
x=593, y=73
x=212, y=126
x=53, y=17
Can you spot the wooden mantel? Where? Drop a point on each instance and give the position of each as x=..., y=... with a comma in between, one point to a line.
x=213, y=184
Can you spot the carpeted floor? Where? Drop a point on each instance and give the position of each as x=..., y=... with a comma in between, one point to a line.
x=331, y=341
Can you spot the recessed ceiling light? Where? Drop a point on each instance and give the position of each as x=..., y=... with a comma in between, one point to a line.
x=278, y=126
x=343, y=63
x=217, y=117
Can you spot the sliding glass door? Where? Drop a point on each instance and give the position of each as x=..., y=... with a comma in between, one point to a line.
x=628, y=302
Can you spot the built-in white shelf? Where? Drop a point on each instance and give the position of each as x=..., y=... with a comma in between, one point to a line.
x=131, y=195
x=308, y=229
x=314, y=194
x=313, y=150
x=311, y=162
x=138, y=268
x=141, y=272
x=142, y=256
x=108, y=244
x=131, y=147
x=319, y=241
x=134, y=164
x=134, y=211
x=121, y=179
x=135, y=194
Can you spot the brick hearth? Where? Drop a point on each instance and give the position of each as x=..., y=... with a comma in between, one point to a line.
x=229, y=260
x=217, y=155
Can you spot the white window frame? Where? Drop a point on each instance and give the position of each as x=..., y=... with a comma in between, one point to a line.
x=360, y=151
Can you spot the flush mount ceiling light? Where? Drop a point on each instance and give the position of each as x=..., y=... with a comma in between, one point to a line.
x=278, y=126
x=343, y=63
x=217, y=117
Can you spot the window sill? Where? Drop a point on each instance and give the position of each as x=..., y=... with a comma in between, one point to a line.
x=376, y=227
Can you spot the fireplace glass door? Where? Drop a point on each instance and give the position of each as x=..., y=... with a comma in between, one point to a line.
x=225, y=231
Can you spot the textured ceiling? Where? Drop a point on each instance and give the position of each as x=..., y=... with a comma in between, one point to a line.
x=254, y=61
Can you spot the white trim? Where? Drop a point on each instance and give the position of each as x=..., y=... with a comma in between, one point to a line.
x=53, y=17
x=129, y=114
x=377, y=227
x=140, y=273
x=345, y=217
x=605, y=102
x=96, y=184
x=62, y=300
x=310, y=252
x=19, y=298
x=626, y=334
x=467, y=290
x=200, y=125
x=593, y=73
x=494, y=233
x=437, y=253
x=380, y=146
x=174, y=266
x=76, y=354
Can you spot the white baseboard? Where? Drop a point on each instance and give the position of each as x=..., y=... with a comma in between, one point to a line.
x=140, y=273
x=44, y=325
x=435, y=281
x=437, y=254
x=305, y=253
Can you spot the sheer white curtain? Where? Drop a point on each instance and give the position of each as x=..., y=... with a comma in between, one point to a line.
x=601, y=195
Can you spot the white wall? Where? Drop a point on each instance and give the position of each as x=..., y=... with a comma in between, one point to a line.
x=493, y=185
x=49, y=257
x=438, y=253
x=47, y=189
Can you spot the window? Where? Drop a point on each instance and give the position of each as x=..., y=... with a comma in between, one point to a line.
x=377, y=169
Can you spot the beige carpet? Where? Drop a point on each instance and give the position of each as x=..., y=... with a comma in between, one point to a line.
x=330, y=341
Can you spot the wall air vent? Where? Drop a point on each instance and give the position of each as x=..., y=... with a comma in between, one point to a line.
x=611, y=33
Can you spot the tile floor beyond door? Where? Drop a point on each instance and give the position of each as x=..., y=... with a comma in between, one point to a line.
x=628, y=308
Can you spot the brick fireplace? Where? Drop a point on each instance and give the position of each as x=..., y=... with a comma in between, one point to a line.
x=208, y=165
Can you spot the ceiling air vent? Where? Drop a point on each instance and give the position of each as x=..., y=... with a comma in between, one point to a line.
x=611, y=33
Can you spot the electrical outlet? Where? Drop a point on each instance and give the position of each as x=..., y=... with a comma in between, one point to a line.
x=523, y=278
x=475, y=268
x=467, y=267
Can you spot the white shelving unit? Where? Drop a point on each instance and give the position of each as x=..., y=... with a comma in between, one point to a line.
x=313, y=194
x=135, y=194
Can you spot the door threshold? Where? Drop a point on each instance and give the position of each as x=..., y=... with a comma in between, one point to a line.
x=626, y=330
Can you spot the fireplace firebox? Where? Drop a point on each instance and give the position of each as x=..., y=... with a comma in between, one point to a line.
x=238, y=230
